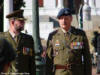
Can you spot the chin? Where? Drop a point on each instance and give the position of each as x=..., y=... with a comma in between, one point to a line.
x=64, y=27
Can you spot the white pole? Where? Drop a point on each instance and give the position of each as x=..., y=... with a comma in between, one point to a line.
x=8, y=8
x=86, y=1
x=60, y=4
x=93, y=7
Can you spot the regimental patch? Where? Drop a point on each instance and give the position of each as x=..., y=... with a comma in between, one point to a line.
x=26, y=50
x=76, y=45
x=57, y=43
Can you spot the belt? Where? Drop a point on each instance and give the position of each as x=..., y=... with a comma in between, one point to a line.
x=67, y=66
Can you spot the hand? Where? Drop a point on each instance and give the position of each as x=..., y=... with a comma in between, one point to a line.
x=43, y=54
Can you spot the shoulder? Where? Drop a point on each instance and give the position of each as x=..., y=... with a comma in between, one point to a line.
x=53, y=33
x=3, y=34
x=26, y=36
x=26, y=40
x=77, y=31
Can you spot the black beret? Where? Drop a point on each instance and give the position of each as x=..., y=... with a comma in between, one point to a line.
x=64, y=11
x=18, y=14
x=7, y=53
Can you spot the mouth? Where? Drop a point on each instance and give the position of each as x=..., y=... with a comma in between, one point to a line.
x=20, y=29
x=64, y=24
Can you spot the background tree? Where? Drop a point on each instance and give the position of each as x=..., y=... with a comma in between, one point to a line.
x=17, y=4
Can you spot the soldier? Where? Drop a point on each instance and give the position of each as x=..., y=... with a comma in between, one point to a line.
x=94, y=40
x=67, y=49
x=94, y=44
x=22, y=43
x=7, y=55
x=98, y=54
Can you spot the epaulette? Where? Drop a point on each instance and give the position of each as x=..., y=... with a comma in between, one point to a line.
x=54, y=32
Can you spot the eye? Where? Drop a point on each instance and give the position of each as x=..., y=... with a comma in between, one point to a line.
x=21, y=21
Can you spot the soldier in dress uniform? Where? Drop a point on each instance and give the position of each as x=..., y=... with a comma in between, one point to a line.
x=7, y=55
x=67, y=49
x=98, y=54
x=22, y=43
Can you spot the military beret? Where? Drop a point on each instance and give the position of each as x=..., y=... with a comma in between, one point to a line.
x=64, y=11
x=7, y=53
x=18, y=14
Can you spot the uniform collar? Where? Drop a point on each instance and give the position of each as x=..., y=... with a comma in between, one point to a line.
x=12, y=34
x=69, y=31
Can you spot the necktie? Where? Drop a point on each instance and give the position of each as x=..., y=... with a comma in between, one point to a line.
x=16, y=38
x=66, y=35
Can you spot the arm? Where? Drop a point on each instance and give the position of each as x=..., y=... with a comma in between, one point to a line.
x=49, y=58
x=87, y=57
x=32, y=60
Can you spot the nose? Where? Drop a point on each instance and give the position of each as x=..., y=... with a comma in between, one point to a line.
x=22, y=23
x=63, y=19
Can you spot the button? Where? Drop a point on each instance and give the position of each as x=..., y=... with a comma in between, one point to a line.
x=16, y=62
x=16, y=70
x=17, y=55
x=67, y=60
x=16, y=49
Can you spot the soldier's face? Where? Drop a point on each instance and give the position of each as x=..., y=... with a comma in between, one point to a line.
x=19, y=25
x=65, y=21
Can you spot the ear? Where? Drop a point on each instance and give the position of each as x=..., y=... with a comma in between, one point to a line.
x=12, y=22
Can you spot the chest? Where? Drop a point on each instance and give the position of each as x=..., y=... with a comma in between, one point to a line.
x=23, y=46
x=71, y=44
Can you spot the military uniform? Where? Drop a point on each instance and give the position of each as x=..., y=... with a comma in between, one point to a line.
x=98, y=54
x=22, y=43
x=68, y=53
x=25, y=62
x=7, y=54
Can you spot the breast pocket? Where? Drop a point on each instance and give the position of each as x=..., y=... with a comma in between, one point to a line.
x=57, y=49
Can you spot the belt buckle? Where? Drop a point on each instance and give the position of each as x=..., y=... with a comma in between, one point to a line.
x=69, y=66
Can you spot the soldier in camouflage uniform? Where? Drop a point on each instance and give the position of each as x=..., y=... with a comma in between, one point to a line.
x=67, y=49
x=22, y=43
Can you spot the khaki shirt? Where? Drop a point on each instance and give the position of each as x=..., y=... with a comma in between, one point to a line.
x=63, y=49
